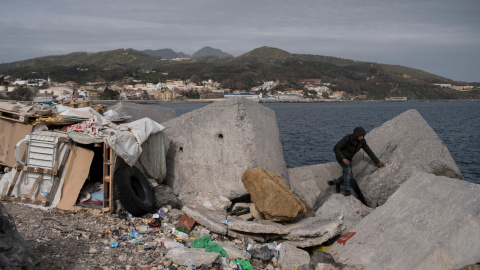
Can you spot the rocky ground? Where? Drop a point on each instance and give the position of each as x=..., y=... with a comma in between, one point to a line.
x=83, y=239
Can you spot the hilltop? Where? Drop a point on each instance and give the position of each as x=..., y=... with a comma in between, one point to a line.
x=249, y=70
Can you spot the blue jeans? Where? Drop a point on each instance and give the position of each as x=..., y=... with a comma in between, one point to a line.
x=345, y=178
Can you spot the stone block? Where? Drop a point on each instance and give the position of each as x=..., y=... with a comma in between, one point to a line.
x=209, y=218
x=261, y=226
x=408, y=145
x=271, y=195
x=164, y=196
x=309, y=183
x=256, y=212
x=313, y=227
x=430, y=222
x=312, y=231
x=212, y=146
x=181, y=256
x=351, y=209
x=291, y=257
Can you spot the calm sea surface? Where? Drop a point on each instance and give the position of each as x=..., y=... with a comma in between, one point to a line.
x=308, y=131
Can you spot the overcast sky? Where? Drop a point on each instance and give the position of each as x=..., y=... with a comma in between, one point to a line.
x=438, y=36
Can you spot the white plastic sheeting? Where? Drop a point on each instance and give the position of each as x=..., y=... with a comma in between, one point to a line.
x=124, y=139
x=127, y=143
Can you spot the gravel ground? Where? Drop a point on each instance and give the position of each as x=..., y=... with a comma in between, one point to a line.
x=82, y=239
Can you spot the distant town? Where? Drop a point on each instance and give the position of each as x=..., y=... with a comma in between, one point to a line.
x=45, y=90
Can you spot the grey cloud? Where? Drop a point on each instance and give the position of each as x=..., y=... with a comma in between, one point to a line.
x=429, y=34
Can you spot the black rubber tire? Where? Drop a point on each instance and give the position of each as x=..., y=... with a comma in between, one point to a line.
x=134, y=191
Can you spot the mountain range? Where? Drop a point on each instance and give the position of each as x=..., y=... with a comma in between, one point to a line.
x=205, y=51
x=374, y=80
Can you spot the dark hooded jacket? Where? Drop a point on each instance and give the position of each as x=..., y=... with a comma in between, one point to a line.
x=348, y=146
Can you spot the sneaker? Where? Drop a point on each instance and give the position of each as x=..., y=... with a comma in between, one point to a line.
x=331, y=183
x=337, y=187
x=347, y=193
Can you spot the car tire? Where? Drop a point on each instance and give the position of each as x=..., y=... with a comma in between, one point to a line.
x=134, y=191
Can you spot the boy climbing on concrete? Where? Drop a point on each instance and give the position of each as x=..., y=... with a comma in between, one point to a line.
x=344, y=150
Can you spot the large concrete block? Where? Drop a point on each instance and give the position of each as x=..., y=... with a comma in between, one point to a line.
x=139, y=111
x=408, y=145
x=349, y=208
x=212, y=146
x=430, y=222
x=309, y=183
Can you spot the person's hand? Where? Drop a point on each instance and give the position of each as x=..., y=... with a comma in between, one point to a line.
x=381, y=164
x=346, y=161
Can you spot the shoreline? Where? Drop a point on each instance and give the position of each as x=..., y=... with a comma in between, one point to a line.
x=112, y=102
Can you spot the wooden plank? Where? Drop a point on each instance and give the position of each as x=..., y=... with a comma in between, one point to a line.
x=12, y=119
x=35, y=186
x=4, y=191
x=24, y=200
x=35, y=169
x=53, y=191
x=112, y=169
x=105, y=175
x=14, y=182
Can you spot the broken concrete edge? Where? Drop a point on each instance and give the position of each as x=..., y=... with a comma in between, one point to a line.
x=308, y=232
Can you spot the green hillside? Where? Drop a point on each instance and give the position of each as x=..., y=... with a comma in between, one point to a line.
x=243, y=72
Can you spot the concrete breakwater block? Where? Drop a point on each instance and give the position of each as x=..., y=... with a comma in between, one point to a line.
x=408, y=145
x=212, y=146
x=139, y=111
x=430, y=222
x=349, y=208
x=309, y=183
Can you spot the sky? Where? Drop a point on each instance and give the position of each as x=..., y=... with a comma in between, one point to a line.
x=438, y=36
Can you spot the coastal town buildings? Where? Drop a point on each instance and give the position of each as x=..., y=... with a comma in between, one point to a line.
x=169, y=90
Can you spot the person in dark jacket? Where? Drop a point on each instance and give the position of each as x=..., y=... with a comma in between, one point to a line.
x=345, y=149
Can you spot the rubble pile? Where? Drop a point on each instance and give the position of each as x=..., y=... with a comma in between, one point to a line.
x=222, y=198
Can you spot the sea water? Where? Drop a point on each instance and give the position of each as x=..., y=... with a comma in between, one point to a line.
x=309, y=131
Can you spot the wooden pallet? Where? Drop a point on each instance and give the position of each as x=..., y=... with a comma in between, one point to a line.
x=24, y=198
x=108, y=169
x=34, y=191
x=17, y=117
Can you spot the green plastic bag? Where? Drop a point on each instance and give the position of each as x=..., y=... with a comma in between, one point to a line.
x=201, y=242
x=216, y=248
x=245, y=264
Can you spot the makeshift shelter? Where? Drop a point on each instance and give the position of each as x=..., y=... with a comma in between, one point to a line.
x=57, y=168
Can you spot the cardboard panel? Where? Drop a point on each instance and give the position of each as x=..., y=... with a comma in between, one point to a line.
x=5, y=131
x=77, y=170
x=10, y=134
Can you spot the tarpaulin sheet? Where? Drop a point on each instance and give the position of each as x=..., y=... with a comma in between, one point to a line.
x=127, y=143
x=152, y=160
